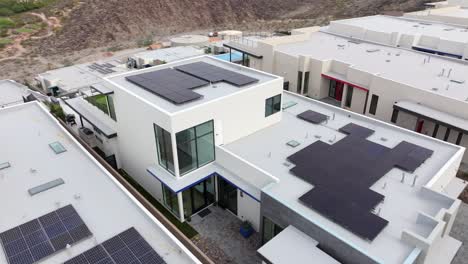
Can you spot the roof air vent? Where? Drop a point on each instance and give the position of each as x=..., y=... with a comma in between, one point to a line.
x=457, y=81
x=4, y=165
x=435, y=89
x=372, y=50
x=354, y=41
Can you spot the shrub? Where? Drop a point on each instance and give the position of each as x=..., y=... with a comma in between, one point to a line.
x=6, y=23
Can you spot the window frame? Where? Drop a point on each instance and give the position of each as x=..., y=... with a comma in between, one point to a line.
x=299, y=81
x=164, y=144
x=273, y=105
x=306, y=82
x=194, y=139
x=349, y=96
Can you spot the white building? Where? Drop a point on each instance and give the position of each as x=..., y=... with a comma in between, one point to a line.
x=203, y=131
x=451, y=12
x=419, y=91
x=161, y=56
x=61, y=204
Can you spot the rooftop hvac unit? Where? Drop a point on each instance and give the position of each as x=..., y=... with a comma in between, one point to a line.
x=88, y=136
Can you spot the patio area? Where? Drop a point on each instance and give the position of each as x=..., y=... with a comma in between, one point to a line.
x=220, y=239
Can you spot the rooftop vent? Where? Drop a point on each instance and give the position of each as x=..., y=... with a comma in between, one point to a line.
x=425, y=23
x=354, y=41
x=435, y=89
x=448, y=29
x=293, y=143
x=4, y=165
x=46, y=186
x=372, y=50
x=457, y=81
x=57, y=147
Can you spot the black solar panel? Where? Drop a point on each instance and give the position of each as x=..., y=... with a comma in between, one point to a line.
x=170, y=84
x=214, y=74
x=42, y=237
x=342, y=174
x=313, y=117
x=127, y=247
x=357, y=130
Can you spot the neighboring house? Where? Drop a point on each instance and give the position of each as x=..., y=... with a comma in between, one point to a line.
x=69, y=80
x=164, y=55
x=12, y=93
x=202, y=131
x=423, y=92
x=451, y=12
x=64, y=207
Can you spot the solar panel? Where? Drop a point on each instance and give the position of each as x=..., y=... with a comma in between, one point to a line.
x=170, y=84
x=341, y=189
x=356, y=130
x=42, y=237
x=312, y=117
x=214, y=74
x=126, y=247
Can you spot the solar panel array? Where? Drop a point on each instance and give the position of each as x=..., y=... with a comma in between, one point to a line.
x=104, y=68
x=312, y=117
x=127, y=247
x=42, y=237
x=214, y=74
x=170, y=84
x=342, y=174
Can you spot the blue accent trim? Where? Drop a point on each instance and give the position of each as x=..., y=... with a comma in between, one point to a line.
x=437, y=52
x=202, y=179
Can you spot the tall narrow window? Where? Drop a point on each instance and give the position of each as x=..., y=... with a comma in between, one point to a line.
x=394, y=116
x=164, y=146
x=299, y=82
x=373, y=104
x=349, y=96
x=272, y=105
x=306, y=83
x=270, y=230
x=286, y=86
x=110, y=103
x=170, y=200
x=195, y=147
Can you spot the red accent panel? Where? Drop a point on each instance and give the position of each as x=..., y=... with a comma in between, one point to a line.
x=354, y=85
x=419, y=126
x=339, y=91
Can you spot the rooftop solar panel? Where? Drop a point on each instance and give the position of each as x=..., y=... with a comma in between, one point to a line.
x=42, y=237
x=214, y=74
x=312, y=117
x=126, y=247
x=341, y=190
x=170, y=84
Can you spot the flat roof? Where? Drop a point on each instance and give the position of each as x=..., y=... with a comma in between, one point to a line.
x=389, y=24
x=267, y=149
x=208, y=92
x=11, y=92
x=27, y=132
x=72, y=78
x=170, y=54
x=402, y=66
x=448, y=11
x=293, y=246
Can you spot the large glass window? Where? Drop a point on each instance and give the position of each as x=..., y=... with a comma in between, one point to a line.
x=164, y=146
x=270, y=230
x=170, y=200
x=110, y=103
x=272, y=105
x=198, y=196
x=195, y=147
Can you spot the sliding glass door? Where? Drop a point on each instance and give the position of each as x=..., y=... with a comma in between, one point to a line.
x=227, y=195
x=198, y=197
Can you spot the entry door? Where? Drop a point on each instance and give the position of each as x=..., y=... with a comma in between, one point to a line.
x=227, y=195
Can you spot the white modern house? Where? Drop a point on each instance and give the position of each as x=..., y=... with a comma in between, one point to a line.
x=204, y=132
x=62, y=206
x=451, y=12
x=371, y=75
x=13, y=93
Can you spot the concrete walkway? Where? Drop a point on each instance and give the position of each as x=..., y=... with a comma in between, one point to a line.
x=460, y=232
x=220, y=230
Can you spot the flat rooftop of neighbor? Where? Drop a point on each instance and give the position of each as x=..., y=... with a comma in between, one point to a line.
x=26, y=135
x=11, y=92
x=402, y=25
x=79, y=76
x=170, y=54
x=403, y=66
x=268, y=150
x=449, y=11
x=208, y=92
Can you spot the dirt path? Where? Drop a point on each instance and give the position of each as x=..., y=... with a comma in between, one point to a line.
x=16, y=49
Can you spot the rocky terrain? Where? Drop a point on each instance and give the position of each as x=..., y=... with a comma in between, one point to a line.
x=89, y=27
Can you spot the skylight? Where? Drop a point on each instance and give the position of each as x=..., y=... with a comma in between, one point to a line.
x=57, y=147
